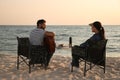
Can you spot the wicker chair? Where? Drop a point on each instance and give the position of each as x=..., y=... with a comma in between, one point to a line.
x=93, y=55
x=30, y=54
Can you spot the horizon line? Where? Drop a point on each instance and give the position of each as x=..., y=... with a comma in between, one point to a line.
x=52, y=24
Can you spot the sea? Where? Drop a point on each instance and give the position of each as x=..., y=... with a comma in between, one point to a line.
x=79, y=34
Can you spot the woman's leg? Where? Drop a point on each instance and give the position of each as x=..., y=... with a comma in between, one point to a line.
x=77, y=53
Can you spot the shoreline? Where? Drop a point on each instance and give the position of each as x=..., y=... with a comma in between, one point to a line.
x=59, y=70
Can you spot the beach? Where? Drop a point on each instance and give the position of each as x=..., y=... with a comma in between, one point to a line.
x=58, y=70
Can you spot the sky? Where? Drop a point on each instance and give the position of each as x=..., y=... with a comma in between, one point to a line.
x=59, y=12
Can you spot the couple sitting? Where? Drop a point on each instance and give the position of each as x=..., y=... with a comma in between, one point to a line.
x=38, y=35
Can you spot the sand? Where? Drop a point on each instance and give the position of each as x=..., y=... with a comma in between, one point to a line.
x=59, y=70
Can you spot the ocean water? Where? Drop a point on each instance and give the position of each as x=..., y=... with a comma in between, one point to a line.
x=79, y=34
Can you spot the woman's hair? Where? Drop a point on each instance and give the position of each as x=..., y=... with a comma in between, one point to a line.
x=41, y=21
x=99, y=27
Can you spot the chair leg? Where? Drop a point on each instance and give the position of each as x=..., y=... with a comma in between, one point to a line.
x=29, y=67
x=104, y=65
x=85, y=69
x=71, y=68
x=104, y=68
x=90, y=65
x=18, y=62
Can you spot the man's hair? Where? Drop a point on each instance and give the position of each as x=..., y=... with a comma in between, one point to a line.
x=41, y=21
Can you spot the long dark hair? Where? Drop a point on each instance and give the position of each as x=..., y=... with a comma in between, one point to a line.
x=100, y=28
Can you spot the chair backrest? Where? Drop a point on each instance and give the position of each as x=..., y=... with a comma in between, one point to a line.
x=97, y=51
x=35, y=53
x=23, y=46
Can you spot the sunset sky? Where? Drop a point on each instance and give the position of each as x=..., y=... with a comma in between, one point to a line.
x=59, y=12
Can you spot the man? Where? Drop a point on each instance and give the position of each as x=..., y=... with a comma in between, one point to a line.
x=38, y=34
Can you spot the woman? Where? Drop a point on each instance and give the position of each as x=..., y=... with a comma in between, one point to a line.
x=97, y=28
